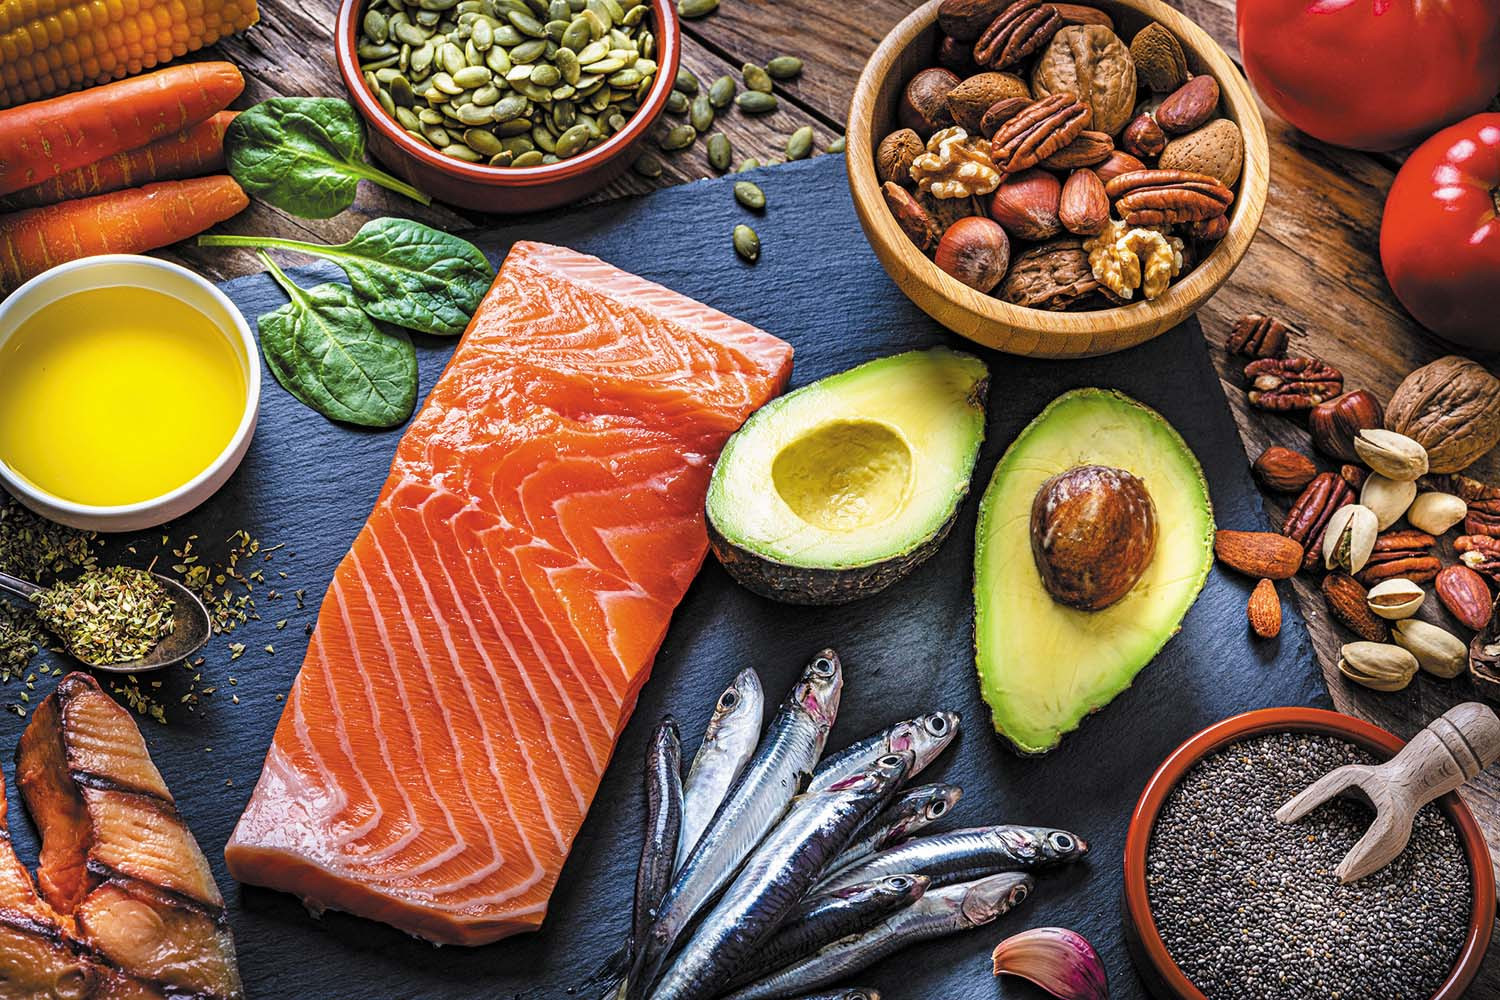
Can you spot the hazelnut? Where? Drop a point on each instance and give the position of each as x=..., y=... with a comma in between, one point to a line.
x=894, y=157
x=924, y=103
x=1027, y=205
x=1335, y=423
x=1093, y=534
x=1119, y=162
x=976, y=251
x=1143, y=138
x=957, y=56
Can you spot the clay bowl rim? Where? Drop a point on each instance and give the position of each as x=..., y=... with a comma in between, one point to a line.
x=1066, y=333
x=668, y=31
x=1294, y=719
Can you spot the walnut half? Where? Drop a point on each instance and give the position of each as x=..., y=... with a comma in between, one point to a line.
x=955, y=165
x=1125, y=258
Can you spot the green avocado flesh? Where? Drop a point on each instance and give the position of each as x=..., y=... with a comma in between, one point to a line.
x=1043, y=666
x=838, y=489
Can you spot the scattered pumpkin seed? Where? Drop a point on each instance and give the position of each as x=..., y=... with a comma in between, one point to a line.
x=799, y=144
x=677, y=103
x=721, y=92
x=784, y=67
x=746, y=243
x=647, y=165
x=701, y=113
x=756, y=102
x=749, y=195
x=696, y=8
x=720, y=153
x=748, y=163
x=756, y=78
x=838, y=145
x=686, y=82
x=679, y=137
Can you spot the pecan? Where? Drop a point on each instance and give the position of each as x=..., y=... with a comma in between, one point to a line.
x=1354, y=475
x=1257, y=336
x=1049, y=276
x=1483, y=499
x=1406, y=554
x=1308, y=517
x=1480, y=553
x=1285, y=384
x=1168, y=197
x=1347, y=601
x=1038, y=132
x=1209, y=229
x=1085, y=151
x=1465, y=594
x=1018, y=33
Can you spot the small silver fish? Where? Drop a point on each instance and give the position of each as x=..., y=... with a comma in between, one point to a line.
x=915, y=810
x=926, y=736
x=663, y=826
x=938, y=913
x=963, y=855
x=728, y=744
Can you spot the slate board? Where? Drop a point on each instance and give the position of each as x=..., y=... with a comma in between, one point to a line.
x=310, y=484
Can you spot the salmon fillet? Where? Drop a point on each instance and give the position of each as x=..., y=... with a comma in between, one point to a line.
x=482, y=645
x=127, y=908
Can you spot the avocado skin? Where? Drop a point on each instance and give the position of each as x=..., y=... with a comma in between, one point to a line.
x=816, y=586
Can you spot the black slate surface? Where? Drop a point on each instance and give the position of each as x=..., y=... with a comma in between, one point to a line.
x=310, y=484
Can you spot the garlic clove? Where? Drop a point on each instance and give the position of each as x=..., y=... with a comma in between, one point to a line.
x=1395, y=599
x=1060, y=961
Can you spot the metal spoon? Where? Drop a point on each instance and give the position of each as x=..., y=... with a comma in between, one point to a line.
x=190, y=629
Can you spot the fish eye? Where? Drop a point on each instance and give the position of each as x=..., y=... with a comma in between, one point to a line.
x=937, y=809
x=937, y=725
x=1063, y=841
x=823, y=667
x=899, y=882
x=1019, y=893
x=728, y=699
x=890, y=760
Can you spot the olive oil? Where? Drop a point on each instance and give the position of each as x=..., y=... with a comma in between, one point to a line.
x=117, y=395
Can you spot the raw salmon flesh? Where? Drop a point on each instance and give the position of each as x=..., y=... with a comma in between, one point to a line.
x=481, y=646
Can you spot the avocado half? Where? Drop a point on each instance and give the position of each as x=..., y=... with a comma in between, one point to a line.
x=835, y=491
x=1043, y=666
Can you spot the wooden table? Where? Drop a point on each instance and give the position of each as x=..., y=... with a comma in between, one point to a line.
x=1314, y=262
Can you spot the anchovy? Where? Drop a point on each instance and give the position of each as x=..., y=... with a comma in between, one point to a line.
x=914, y=810
x=938, y=913
x=775, y=876
x=822, y=920
x=926, y=736
x=856, y=993
x=663, y=826
x=964, y=855
x=760, y=798
x=728, y=744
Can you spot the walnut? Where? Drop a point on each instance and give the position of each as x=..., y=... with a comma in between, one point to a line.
x=1125, y=258
x=1090, y=60
x=1050, y=276
x=1451, y=407
x=955, y=166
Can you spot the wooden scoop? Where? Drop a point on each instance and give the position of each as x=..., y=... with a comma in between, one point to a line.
x=1452, y=749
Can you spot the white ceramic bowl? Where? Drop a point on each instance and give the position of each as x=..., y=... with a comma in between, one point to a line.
x=185, y=286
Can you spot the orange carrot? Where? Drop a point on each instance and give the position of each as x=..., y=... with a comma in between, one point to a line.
x=190, y=153
x=46, y=138
x=130, y=221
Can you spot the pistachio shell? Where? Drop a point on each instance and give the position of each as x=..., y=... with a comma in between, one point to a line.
x=1350, y=538
x=1435, y=513
x=1438, y=651
x=1388, y=498
x=1395, y=599
x=1393, y=455
x=1380, y=666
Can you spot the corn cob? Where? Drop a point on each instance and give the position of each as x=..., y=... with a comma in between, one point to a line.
x=52, y=46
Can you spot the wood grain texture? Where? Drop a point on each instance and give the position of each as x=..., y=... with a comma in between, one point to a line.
x=1314, y=261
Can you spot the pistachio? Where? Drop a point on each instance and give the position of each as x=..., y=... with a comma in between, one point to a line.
x=784, y=67
x=1395, y=599
x=755, y=102
x=720, y=153
x=756, y=77
x=1393, y=455
x=721, y=92
x=749, y=195
x=1438, y=651
x=1435, y=513
x=799, y=144
x=1350, y=538
x=1388, y=498
x=746, y=243
x=1380, y=666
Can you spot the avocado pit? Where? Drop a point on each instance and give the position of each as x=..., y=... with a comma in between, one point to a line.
x=844, y=475
x=1093, y=533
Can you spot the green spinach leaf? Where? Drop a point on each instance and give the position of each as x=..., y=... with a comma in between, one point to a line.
x=404, y=273
x=327, y=353
x=304, y=155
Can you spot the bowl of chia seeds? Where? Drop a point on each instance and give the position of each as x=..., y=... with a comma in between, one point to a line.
x=1222, y=902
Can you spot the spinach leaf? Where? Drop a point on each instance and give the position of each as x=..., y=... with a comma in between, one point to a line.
x=324, y=350
x=404, y=273
x=304, y=155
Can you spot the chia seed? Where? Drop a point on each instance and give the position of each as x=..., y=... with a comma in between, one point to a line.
x=1250, y=909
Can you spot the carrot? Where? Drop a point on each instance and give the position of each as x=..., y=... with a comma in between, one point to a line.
x=46, y=138
x=190, y=153
x=129, y=221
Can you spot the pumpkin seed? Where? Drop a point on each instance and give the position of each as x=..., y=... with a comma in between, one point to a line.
x=482, y=141
x=472, y=77
x=679, y=137
x=445, y=84
x=546, y=75
x=748, y=163
x=452, y=58
x=720, y=153
x=388, y=105
x=377, y=26
x=525, y=23
x=701, y=113
x=482, y=34
x=473, y=114
x=799, y=144
x=372, y=51
x=721, y=92
x=501, y=159
x=461, y=152
x=749, y=195
x=677, y=103
x=686, y=82
x=696, y=8
x=533, y=158
x=756, y=78
x=746, y=243
x=784, y=67
x=647, y=165
x=558, y=10
x=756, y=102
x=408, y=119
x=838, y=145
x=486, y=95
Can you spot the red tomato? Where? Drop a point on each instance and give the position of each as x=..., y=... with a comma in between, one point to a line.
x=1440, y=237
x=1372, y=74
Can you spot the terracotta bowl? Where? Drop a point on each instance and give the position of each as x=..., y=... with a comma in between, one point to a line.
x=1155, y=965
x=506, y=189
x=911, y=46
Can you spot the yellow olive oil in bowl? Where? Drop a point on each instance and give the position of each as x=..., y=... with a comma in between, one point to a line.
x=114, y=396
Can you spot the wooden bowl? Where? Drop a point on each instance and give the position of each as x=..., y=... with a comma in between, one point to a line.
x=485, y=188
x=910, y=47
x=1149, y=952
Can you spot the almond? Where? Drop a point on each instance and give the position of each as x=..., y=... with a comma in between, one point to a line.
x=1264, y=610
x=1465, y=594
x=1259, y=553
x=1189, y=106
x=1349, y=604
x=1216, y=149
x=1075, y=13
x=968, y=102
x=1283, y=470
x=1084, y=209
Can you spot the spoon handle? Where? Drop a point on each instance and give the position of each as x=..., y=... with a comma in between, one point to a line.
x=1453, y=748
x=19, y=587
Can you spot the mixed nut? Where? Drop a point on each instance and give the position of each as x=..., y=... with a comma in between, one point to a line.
x=1109, y=164
x=1377, y=522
